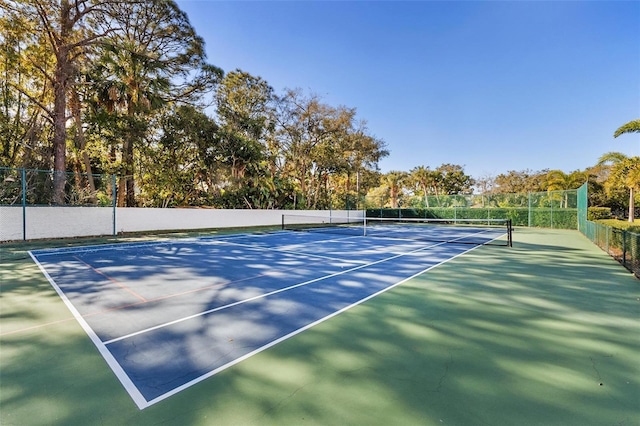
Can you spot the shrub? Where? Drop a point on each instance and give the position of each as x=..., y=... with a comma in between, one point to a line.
x=599, y=213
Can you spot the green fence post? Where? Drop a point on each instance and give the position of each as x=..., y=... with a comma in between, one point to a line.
x=529, y=208
x=114, y=202
x=624, y=248
x=24, y=204
x=551, y=205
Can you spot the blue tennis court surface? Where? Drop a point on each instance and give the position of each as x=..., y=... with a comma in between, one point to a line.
x=166, y=315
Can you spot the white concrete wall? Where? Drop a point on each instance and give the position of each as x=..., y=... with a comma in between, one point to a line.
x=11, y=223
x=65, y=222
x=55, y=222
x=145, y=219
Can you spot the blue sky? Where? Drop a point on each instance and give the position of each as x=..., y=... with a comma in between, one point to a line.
x=489, y=85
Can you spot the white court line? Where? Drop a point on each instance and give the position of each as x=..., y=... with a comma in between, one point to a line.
x=300, y=330
x=115, y=366
x=302, y=254
x=103, y=247
x=260, y=296
x=141, y=244
x=135, y=244
x=378, y=247
x=333, y=238
x=130, y=387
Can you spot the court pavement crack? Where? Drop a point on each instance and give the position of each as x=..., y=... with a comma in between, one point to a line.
x=447, y=365
x=419, y=379
x=414, y=378
x=593, y=365
x=612, y=395
x=283, y=401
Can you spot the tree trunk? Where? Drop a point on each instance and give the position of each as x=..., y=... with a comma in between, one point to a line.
x=127, y=160
x=81, y=143
x=426, y=196
x=394, y=197
x=59, y=127
x=127, y=156
x=62, y=75
x=632, y=209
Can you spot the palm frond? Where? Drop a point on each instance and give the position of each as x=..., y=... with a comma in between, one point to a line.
x=631, y=127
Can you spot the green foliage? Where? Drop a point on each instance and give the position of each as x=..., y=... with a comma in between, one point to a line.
x=598, y=213
x=621, y=224
x=534, y=217
x=521, y=182
x=621, y=239
x=134, y=79
x=180, y=166
x=631, y=127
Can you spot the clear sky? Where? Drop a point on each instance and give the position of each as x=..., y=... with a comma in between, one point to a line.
x=492, y=86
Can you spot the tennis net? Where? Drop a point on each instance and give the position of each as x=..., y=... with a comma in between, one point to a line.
x=460, y=231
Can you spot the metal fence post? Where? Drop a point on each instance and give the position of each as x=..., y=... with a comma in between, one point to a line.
x=24, y=203
x=551, y=205
x=114, y=202
x=624, y=248
x=529, y=208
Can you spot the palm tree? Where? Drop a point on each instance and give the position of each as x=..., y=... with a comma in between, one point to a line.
x=557, y=180
x=424, y=179
x=394, y=181
x=626, y=171
x=631, y=127
x=632, y=180
x=154, y=60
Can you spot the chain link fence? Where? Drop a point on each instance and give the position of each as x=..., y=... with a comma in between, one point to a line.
x=36, y=188
x=550, y=209
x=621, y=244
x=20, y=188
x=26, y=202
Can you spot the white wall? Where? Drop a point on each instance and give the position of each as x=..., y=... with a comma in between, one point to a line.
x=11, y=223
x=55, y=222
x=145, y=219
x=65, y=222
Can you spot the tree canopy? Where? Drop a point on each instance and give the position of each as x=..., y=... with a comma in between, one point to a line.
x=124, y=87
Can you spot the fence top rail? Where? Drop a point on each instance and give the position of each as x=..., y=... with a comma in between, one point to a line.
x=19, y=169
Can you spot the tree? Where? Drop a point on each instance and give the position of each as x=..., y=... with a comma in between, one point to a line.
x=631, y=127
x=625, y=171
x=452, y=180
x=485, y=183
x=306, y=129
x=68, y=28
x=244, y=107
x=425, y=180
x=521, y=181
x=153, y=60
x=25, y=93
x=359, y=154
x=630, y=172
x=557, y=180
x=318, y=142
x=181, y=167
x=395, y=181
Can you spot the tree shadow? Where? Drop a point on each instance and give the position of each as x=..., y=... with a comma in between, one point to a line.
x=544, y=333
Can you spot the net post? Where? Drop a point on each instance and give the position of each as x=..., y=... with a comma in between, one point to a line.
x=364, y=226
x=509, y=233
x=282, y=222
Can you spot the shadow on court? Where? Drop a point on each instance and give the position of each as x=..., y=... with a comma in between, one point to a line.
x=545, y=333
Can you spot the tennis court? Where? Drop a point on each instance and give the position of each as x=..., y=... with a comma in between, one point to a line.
x=168, y=315
x=319, y=328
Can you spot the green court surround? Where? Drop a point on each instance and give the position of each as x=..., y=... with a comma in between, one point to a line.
x=544, y=333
